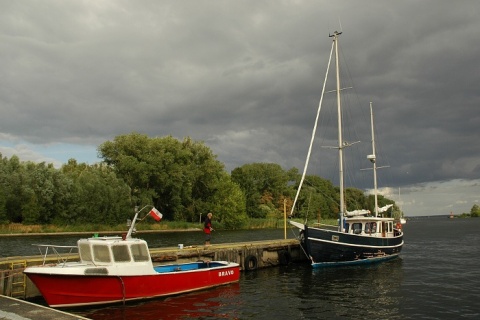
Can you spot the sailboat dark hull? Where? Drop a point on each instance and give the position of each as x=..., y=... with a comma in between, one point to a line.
x=330, y=248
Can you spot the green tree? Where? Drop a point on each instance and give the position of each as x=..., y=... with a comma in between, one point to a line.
x=30, y=191
x=96, y=195
x=181, y=178
x=228, y=203
x=134, y=160
x=4, y=190
x=13, y=182
x=318, y=199
x=355, y=199
x=38, y=192
x=264, y=186
x=475, y=211
x=394, y=211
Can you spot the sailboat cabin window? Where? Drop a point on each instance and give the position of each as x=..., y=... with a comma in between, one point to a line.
x=357, y=228
x=370, y=227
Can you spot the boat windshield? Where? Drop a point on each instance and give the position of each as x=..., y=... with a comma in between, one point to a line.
x=84, y=252
x=140, y=252
x=113, y=252
x=101, y=253
x=121, y=253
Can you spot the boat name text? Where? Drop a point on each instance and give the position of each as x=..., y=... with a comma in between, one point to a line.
x=225, y=273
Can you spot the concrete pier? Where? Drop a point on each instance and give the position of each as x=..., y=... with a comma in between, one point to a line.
x=16, y=309
x=250, y=255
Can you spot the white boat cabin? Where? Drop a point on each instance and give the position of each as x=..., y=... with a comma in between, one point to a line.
x=112, y=250
x=370, y=226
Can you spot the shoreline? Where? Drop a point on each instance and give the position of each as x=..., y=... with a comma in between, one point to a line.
x=29, y=234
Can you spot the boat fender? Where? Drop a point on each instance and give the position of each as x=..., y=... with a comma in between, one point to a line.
x=284, y=257
x=251, y=262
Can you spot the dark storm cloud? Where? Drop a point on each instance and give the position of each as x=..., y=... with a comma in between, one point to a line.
x=245, y=76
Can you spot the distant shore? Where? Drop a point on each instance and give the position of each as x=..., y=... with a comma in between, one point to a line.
x=19, y=229
x=29, y=234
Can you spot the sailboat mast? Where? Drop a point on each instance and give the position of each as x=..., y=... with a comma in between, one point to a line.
x=340, y=138
x=373, y=160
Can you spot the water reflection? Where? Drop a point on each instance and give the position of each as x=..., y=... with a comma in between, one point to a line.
x=215, y=303
x=437, y=277
x=295, y=291
x=353, y=292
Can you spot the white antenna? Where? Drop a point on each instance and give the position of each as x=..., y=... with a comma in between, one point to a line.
x=340, y=24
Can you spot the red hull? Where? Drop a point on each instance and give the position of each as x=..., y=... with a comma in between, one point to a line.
x=72, y=290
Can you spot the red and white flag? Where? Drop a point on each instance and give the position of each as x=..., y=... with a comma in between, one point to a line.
x=156, y=214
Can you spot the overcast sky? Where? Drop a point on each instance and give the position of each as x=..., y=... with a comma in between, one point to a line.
x=245, y=77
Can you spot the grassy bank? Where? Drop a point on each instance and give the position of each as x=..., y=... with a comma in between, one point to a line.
x=18, y=228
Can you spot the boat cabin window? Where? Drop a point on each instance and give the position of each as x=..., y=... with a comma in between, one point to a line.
x=84, y=252
x=370, y=227
x=347, y=227
x=357, y=227
x=140, y=252
x=101, y=253
x=120, y=253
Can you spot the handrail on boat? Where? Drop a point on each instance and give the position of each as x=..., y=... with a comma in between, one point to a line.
x=318, y=224
x=62, y=257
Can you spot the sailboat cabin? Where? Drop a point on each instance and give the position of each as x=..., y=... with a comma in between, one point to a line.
x=370, y=226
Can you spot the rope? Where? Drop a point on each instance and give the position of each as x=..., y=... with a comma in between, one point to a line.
x=313, y=133
x=298, y=237
x=123, y=289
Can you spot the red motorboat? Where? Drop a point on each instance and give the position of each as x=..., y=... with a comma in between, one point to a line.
x=119, y=269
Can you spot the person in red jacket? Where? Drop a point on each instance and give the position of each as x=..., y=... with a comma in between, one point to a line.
x=207, y=228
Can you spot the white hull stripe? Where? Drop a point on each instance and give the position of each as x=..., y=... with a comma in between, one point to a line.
x=354, y=245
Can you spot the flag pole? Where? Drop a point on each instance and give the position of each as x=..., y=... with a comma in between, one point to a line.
x=132, y=226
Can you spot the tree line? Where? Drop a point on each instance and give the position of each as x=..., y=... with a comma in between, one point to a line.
x=183, y=179
x=474, y=212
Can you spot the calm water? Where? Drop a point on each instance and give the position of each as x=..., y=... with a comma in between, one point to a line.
x=22, y=246
x=437, y=277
